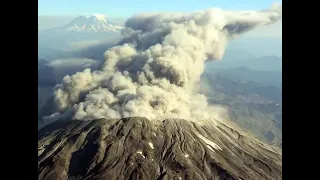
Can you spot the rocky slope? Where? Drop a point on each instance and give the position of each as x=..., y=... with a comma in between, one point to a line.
x=255, y=107
x=136, y=148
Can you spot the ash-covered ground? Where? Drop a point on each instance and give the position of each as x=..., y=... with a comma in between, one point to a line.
x=137, y=148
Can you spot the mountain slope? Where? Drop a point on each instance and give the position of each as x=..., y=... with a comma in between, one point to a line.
x=254, y=107
x=136, y=148
x=93, y=23
x=82, y=28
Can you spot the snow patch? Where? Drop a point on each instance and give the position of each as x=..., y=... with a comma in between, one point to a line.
x=151, y=145
x=140, y=152
x=186, y=155
x=100, y=16
x=210, y=148
x=210, y=143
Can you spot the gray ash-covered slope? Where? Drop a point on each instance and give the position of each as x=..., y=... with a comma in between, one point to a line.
x=136, y=148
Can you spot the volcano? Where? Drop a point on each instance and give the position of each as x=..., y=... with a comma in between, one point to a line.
x=137, y=148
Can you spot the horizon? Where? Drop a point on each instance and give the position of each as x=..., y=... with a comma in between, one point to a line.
x=57, y=14
x=48, y=22
x=126, y=8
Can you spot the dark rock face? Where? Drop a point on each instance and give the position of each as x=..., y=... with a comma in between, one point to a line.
x=136, y=148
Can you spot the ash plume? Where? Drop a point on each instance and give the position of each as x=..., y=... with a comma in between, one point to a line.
x=154, y=70
x=52, y=72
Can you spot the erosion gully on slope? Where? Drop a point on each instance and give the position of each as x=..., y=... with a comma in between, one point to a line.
x=137, y=148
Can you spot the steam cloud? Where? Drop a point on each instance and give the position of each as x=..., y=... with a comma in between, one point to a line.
x=154, y=71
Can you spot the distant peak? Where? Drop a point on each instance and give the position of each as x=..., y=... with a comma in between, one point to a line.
x=97, y=16
x=100, y=15
x=91, y=23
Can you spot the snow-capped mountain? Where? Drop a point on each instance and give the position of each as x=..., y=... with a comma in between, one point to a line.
x=81, y=30
x=93, y=23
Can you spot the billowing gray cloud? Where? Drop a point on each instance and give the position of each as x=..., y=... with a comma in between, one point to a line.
x=154, y=70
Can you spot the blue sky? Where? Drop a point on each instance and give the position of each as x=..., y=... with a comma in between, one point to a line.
x=125, y=8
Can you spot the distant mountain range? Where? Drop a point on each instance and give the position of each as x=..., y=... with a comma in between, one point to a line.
x=233, y=60
x=265, y=78
x=264, y=63
x=254, y=105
